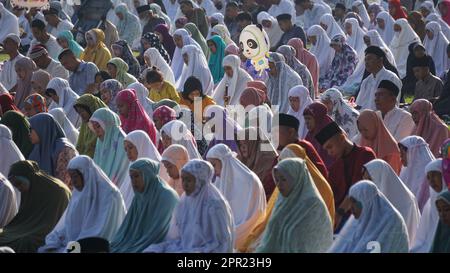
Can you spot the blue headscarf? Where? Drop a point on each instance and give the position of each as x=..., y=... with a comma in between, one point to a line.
x=52, y=141
x=148, y=219
x=73, y=45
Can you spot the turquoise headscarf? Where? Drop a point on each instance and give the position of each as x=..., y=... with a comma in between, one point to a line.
x=73, y=45
x=109, y=153
x=441, y=243
x=148, y=219
x=215, y=59
x=300, y=223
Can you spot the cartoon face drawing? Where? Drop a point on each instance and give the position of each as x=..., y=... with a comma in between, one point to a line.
x=253, y=42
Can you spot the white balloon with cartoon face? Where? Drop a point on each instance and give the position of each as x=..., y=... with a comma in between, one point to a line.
x=254, y=44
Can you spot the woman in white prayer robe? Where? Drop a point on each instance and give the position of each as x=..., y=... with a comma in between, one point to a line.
x=69, y=130
x=430, y=216
x=435, y=44
x=385, y=26
x=444, y=26
x=9, y=151
x=9, y=23
x=234, y=82
x=63, y=96
x=272, y=29
x=202, y=221
x=8, y=201
x=375, y=226
x=403, y=37
x=182, y=38
x=195, y=64
x=355, y=36
x=381, y=174
x=176, y=132
x=330, y=25
x=241, y=187
x=321, y=48
x=96, y=208
x=415, y=154
x=152, y=58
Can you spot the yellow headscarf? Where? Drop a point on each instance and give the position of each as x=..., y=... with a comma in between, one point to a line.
x=98, y=54
x=321, y=184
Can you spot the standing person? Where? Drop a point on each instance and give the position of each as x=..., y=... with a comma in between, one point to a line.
x=43, y=201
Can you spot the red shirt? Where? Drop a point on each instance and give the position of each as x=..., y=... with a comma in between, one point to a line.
x=313, y=156
x=347, y=170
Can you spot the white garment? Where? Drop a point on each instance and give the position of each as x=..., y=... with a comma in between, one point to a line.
x=181, y=135
x=362, y=12
x=366, y=96
x=8, y=22
x=396, y=192
x=146, y=149
x=8, y=201
x=158, y=61
x=379, y=221
x=25, y=26
x=437, y=48
x=209, y=7
x=302, y=94
x=67, y=98
x=223, y=32
x=414, y=176
x=69, y=130
x=142, y=95
x=376, y=40
x=197, y=66
x=10, y=153
x=333, y=27
x=322, y=50
x=8, y=75
x=444, y=26
x=274, y=32
x=399, y=123
x=52, y=46
x=236, y=84
x=242, y=188
x=57, y=70
x=388, y=32
x=171, y=8
x=430, y=217
x=202, y=221
x=285, y=6
x=96, y=211
x=177, y=64
x=399, y=45
x=312, y=16
x=62, y=26
x=224, y=125
x=356, y=40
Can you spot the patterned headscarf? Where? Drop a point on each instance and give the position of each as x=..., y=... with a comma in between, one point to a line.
x=153, y=40
x=165, y=114
x=127, y=55
x=37, y=102
x=113, y=86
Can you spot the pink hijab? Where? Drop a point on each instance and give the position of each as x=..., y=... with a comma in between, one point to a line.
x=430, y=127
x=258, y=85
x=446, y=17
x=384, y=144
x=137, y=118
x=252, y=96
x=232, y=49
x=308, y=59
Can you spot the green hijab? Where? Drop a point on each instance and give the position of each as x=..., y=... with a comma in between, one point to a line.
x=87, y=139
x=198, y=37
x=110, y=154
x=148, y=219
x=215, y=60
x=441, y=243
x=20, y=128
x=122, y=72
x=40, y=208
x=300, y=223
